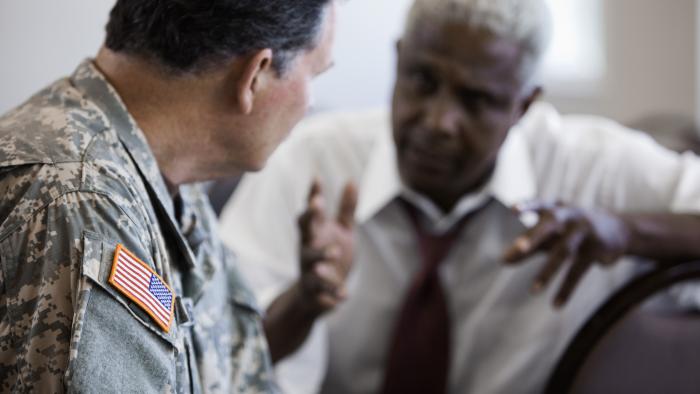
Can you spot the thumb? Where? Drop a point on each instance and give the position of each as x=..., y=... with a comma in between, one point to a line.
x=348, y=203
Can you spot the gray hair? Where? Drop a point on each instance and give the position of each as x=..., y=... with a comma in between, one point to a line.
x=526, y=22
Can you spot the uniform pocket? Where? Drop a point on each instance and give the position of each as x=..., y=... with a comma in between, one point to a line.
x=246, y=305
x=116, y=346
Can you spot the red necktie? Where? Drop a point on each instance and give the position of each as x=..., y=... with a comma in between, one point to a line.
x=419, y=354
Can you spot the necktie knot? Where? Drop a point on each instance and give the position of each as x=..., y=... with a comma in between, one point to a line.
x=433, y=247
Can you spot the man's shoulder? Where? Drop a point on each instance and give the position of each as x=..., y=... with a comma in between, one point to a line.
x=29, y=189
x=56, y=125
x=59, y=142
x=543, y=124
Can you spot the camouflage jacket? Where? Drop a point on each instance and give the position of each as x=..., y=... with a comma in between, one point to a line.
x=77, y=179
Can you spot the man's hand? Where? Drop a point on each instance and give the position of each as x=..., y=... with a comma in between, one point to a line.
x=326, y=249
x=572, y=237
x=325, y=257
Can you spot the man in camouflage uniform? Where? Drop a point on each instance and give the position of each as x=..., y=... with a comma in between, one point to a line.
x=87, y=183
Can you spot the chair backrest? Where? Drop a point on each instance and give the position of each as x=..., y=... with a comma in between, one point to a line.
x=631, y=345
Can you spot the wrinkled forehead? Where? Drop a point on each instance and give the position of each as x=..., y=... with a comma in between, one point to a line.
x=469, y=49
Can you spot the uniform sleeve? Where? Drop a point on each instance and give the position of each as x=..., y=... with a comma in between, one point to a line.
x=45, y=289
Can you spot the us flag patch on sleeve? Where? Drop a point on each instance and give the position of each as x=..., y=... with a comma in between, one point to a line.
x=136, y=280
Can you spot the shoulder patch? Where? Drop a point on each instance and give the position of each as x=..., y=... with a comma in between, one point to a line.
x=138, y=282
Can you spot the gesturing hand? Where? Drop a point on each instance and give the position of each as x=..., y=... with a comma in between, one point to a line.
x=326, y=249
x=573, y=237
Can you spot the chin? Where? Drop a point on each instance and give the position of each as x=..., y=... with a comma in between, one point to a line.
x=423, y=183
x=257, y=165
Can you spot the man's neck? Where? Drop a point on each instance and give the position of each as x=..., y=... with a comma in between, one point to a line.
x=155, y=105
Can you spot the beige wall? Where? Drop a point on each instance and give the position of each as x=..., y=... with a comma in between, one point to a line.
x=651, y=51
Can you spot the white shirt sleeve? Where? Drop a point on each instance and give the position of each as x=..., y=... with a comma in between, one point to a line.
x=594, y=162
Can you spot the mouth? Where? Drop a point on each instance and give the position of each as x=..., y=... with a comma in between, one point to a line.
x=429, y=161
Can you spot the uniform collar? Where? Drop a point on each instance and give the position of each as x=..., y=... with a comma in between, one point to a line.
x=512, y=181
x=94, y=84
x=88, y=79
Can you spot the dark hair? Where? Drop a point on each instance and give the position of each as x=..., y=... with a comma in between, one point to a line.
x=191, y=35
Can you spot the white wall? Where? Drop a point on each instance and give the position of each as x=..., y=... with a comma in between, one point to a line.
x=650, y=48
x=364, y=55
x=42, y=40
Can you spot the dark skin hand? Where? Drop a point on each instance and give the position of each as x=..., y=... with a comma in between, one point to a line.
x=326, y=256
x=578, y=238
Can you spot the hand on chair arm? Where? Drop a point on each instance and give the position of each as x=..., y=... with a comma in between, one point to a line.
x=578, y=238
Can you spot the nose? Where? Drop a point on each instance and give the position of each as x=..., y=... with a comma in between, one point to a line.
x=443, y=114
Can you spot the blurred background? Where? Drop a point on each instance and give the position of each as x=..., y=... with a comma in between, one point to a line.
x=636, y=61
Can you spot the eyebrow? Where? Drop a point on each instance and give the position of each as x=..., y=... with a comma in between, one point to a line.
x=476, y=85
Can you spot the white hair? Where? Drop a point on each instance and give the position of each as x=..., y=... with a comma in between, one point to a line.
x=527, y=22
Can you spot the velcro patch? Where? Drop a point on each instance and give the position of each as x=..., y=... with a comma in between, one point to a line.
x=137, y=281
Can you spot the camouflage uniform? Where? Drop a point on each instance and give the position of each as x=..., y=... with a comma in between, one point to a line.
x=77, y=178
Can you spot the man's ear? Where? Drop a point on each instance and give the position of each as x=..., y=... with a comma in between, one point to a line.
x=251, y=81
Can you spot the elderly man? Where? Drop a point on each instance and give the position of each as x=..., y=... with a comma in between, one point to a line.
x=112, y=278
x=430, y=306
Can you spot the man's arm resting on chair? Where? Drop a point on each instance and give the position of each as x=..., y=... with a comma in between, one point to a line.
x=580, y=238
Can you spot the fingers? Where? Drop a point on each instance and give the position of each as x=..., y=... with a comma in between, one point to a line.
x=325, y=287
x=563, y=253
x=348, y=203
x=572, y=238
x=311, y=256
x=572, y=279
x=535, y=206
x=313, y=215
x=314, y=190
x=326, y=247
x=330, y=279
x=326, y=302
x=533, y=239
x=566, y=252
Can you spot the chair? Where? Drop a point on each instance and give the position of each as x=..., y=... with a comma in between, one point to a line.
x=635, y=342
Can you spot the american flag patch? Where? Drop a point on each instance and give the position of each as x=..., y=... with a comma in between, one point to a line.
x=136, y=280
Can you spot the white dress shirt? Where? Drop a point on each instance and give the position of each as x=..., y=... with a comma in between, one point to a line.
x=504, y=339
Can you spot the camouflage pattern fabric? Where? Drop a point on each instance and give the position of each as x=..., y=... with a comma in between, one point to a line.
x=77, y=177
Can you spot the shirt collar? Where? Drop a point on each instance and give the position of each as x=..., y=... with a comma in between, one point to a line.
x=512, y=181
